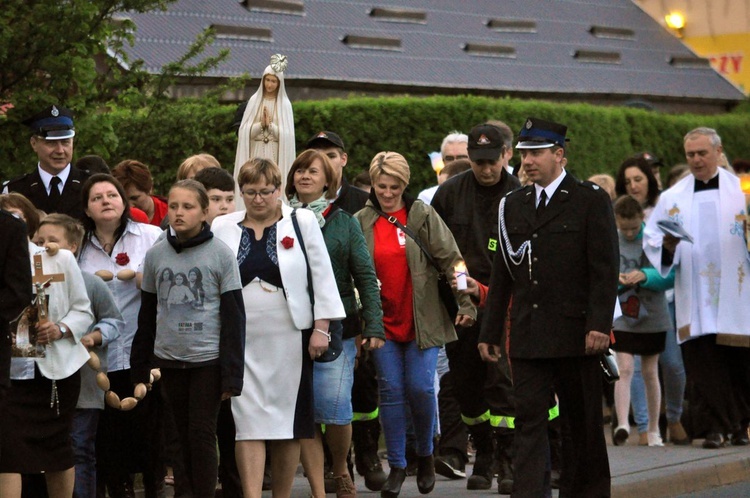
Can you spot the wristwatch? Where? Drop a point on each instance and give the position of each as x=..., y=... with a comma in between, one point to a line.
x=63, y=329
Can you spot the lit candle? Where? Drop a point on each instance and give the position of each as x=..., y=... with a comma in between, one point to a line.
x=460, y=270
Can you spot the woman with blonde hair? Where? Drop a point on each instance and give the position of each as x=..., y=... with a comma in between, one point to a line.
x=399, y=231
x=284, y=334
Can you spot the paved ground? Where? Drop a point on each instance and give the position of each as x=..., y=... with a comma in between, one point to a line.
x=637, y=472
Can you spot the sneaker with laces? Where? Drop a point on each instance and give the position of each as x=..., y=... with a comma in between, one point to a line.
x=345, y=487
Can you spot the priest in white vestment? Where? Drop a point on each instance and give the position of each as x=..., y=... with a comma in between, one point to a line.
x=712, y=286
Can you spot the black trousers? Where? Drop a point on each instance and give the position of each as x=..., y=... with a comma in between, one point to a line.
x=195, y=396
x=365, y=386
x=720, y=376
x=476, y=391
x=131, y=442
x=231, y=485
x=453, y=435
x=585, y=466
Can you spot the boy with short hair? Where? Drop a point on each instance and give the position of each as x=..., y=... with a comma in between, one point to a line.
x=219, y=185
x=68, y=233
x=220, y=188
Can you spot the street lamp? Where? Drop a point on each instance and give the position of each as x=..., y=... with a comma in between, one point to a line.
x=676, y=22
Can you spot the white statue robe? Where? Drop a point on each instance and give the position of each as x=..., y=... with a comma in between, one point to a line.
x=712, y=279
x=280, y=148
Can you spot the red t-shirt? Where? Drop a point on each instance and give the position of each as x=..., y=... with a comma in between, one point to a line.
x=138, y=215
x=160, y=210
x=395, y=278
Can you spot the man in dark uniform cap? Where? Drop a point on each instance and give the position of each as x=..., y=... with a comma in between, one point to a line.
x=55, y=185
x=559, y=260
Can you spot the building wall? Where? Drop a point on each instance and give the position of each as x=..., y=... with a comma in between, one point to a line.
x=716, y=29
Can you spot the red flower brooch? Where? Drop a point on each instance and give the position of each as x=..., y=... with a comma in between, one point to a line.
x=122, y=259
x=287, y=242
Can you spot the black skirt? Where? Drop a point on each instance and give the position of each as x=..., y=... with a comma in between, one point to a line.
x=35, y=436
x=642, y=343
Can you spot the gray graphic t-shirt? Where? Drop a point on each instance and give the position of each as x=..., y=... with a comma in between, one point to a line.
x=188, y=287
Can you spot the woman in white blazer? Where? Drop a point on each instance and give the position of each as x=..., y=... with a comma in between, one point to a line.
x=283, y=332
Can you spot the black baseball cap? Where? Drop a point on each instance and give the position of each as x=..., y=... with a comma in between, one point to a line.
x=325, y=139
x=485, y=142
x=651, y=159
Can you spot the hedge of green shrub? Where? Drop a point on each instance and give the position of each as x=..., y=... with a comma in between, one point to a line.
x=600, y=137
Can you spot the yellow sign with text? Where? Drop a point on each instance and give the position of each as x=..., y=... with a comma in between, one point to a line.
x=727, y=54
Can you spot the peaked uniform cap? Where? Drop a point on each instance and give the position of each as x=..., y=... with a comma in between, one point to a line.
x=53, y=123
x=540, y=134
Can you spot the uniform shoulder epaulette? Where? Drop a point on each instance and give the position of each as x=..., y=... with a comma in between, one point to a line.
x=589, y=185
x=517, y=189
x=15, y=180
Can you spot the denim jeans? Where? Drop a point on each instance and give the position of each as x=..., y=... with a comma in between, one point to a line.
x=638, y=397
x=673, y=373
x=406, y=376
x=85, y=423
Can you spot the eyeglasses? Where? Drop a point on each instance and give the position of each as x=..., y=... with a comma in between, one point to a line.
x=448, y=159
x=263, y=194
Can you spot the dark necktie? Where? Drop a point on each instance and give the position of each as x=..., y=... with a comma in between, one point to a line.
x=542, y=205
x=54, y=191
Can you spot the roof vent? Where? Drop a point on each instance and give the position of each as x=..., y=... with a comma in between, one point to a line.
x=296, y=7
x=689, y=62
x=226, y=32
x=488, y=50
x=612, y=33
x=512, y=25
x=372, y=42
x=597, y=56
x=398, y=15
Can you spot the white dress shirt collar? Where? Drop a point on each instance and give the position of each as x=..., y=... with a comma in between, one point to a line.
x=549, y=189
x=47, y=178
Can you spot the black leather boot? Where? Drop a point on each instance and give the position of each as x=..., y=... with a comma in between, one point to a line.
x=504, y=461
x=425, y=474
x=365, y=435
x=392, y=486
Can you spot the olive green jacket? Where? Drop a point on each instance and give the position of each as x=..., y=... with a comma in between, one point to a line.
x=352, y=266
x=432, y=325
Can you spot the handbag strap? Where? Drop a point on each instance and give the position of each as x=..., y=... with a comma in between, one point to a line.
x=297, y=231
x=408, y=231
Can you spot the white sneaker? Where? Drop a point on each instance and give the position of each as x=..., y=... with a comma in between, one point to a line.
x=654, y=439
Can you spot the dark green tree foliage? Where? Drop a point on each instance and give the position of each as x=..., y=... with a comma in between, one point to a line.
x=49, y=49
x=71, y=53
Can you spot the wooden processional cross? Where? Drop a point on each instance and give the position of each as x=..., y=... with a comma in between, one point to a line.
x=41, y=282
